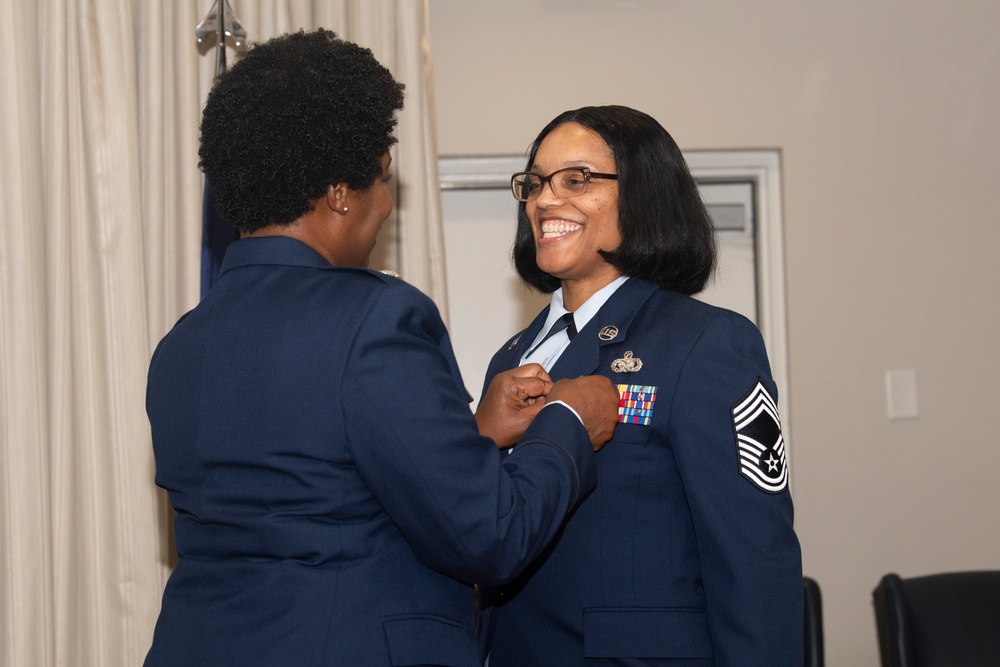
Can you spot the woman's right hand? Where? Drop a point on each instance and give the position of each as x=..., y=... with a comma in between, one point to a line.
x=595, y=399
x=511, y=402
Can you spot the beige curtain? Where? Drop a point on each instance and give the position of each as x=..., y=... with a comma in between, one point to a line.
x=99, y=255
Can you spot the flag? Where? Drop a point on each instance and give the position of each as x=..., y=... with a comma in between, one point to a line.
x=216, y=232
x=216, y=235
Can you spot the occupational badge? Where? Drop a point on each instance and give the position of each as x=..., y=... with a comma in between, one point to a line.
x=608, y=333
x=627, y=364
x=759, y=445
x=635, y=403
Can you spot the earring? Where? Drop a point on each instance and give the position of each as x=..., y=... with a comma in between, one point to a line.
x=345, y=209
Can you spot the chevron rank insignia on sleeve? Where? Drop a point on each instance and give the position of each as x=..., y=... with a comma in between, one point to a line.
x=759, y=444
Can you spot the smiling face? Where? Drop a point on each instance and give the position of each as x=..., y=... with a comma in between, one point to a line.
x=569, y=232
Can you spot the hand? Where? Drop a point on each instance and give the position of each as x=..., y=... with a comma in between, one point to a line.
x=512, y=400
x=595, y=399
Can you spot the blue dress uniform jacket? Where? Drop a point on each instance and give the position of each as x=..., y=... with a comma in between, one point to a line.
x=334, y=497
x=685, y=553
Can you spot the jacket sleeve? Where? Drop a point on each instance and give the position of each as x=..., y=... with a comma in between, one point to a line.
x=750, y=556
x=466, y=508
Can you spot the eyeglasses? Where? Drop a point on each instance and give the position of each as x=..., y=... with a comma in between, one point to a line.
x=565, y=183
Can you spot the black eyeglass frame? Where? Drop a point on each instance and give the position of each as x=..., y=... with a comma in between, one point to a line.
x=587, y=175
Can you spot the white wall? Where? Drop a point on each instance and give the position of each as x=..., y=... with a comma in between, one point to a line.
x=888, y=118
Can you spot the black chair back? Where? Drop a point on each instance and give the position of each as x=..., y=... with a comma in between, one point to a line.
x=940, y=620
x=814, y=623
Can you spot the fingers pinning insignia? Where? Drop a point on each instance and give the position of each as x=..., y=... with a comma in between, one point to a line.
x=759, y=444
x=636, y=403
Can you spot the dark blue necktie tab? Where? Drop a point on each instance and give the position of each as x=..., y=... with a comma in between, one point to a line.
x=565, y=322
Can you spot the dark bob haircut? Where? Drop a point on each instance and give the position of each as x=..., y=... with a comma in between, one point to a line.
x=293, y=116
x=667, y=235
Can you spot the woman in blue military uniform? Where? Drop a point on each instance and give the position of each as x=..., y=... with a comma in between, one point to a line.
x=335, y=499
x=685, y=553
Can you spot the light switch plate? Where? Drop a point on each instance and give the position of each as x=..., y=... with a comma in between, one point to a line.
x=901, y=394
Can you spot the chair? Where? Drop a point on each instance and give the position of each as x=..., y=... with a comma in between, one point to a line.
x=813, y=623
x=940, y=620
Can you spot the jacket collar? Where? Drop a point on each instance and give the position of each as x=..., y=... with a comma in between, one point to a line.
x=584, y=354
x=276, y=250
x=610, y=326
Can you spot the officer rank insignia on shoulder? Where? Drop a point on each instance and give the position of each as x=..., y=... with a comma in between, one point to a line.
x=759, y=443
x=635, y=403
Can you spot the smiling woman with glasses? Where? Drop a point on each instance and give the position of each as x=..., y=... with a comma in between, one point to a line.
x=685, y=552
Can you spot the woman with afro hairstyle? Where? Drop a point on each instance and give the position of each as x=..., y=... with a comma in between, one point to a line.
x=335, y=497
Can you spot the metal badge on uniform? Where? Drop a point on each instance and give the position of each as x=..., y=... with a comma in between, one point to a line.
x=514, y=342
x=627, y=364
x=608, y=333
x=635, y=403
x=759, y=444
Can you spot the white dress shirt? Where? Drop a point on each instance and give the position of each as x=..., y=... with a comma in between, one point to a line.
x=549, y=352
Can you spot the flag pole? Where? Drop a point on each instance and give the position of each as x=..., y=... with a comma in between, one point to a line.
x=217, y=232
x=220, y=60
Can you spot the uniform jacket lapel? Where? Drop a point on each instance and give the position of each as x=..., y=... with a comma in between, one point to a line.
x=583, y=356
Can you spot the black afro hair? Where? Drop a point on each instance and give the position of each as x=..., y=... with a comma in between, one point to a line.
x=293, y=116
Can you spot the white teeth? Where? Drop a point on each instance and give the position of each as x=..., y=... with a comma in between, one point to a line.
x=556, y=228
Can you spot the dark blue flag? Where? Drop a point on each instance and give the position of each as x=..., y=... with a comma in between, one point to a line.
x=217, y=233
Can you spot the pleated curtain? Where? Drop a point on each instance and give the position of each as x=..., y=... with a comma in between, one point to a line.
x=100, y=232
